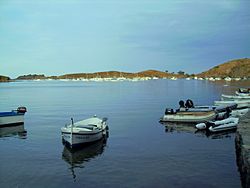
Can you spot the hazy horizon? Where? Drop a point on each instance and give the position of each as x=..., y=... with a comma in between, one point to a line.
x=61, y=37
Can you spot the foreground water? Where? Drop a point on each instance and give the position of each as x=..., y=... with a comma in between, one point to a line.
x=140, y=152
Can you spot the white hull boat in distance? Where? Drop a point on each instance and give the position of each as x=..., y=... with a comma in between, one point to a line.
x=234, y=97
x=84, y=132
x=224, y=125
x=239, y=112
x=188, y=117
x=12, y=118
x=240, y=103
x=243, y=92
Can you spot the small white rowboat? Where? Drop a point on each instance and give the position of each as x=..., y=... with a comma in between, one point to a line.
x=85, y=131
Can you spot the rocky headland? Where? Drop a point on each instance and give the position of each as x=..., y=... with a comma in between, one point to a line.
x=4, y=78
x=238, y=68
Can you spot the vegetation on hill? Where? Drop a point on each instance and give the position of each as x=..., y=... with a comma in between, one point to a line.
x=31, y=77
x=4, y=78
x=238, y=68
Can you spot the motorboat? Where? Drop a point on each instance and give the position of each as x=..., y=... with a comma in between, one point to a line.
x=190, y=113
x=84, y=131
x=12, y=118
x=240, y=103
x=243, y=92
x=221, y=125
x=224, y=125
x=188, y=116
x=235, y=97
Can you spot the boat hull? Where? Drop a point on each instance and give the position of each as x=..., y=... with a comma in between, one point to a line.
x=240, y=103
x=76, y=139
x=224, y=125
x=11, y=120
x=189, y=117
x=242, y=94
x=234, y=97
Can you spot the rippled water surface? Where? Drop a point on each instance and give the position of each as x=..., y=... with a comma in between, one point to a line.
x=139, y=152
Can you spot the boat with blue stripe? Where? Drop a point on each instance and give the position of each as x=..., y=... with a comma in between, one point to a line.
x=12, y=118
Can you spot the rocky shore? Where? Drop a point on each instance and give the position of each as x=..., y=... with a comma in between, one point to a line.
x=242, y=143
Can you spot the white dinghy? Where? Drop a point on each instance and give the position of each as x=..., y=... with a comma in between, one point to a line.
x=235, y=97
x=216, y=126
x=224, y=125
x=240, y=103
x=85, y=131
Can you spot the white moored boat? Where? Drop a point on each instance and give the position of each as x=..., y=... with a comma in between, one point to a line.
x=222, y=111
x=85, y=131
x=235, y=97
x=194, y=114
x=12, y=118
x=240, y=103
x=188, y=116
x=222, y=125
x=239, y=112
x=243, y=92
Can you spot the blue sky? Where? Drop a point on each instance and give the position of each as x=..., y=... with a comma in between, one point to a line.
x=69, y=36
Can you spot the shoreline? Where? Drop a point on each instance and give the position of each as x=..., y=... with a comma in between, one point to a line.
x=138, y=78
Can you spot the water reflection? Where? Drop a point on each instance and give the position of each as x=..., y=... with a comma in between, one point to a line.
x=13, y=131
x=78, y=156
x=190, y=128
x=219, y=135
x=178, y=127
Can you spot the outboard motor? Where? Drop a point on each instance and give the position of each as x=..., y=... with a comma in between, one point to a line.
x=21, y=109
x=169, y=111
x=228, y=113
x=189, y=104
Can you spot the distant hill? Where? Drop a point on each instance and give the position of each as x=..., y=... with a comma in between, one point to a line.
x=238, y=68
x=31, y=77
x=4, y=78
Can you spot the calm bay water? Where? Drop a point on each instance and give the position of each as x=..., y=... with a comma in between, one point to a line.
x=139, y=152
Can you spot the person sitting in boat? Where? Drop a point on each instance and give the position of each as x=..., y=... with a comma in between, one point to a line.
x=189, y=104
x=182, y=106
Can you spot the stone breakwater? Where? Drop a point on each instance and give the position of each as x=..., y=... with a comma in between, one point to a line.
x=242, y=144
